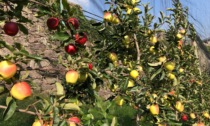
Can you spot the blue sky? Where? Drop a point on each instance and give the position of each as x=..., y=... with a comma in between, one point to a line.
x=198, y=9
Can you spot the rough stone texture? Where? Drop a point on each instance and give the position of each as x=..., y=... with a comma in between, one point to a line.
x=203, y=55
x=43, y=74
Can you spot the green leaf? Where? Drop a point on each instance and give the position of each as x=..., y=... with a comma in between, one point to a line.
x=2, y=88
x=9, y=47
x=8, y=99
x=18, y=46
x=56, y=119
x=69, y=106
x=63, y=123
x=97, y=24
x=61, y=6
x=162, y=14
x=61, y=36
x=25, y=53
x=155, y=64
x=23, y=29
x=10, y=110
x=175, y=82
x=66, y=5
x=60, y=89
x=156, y=73
x=162, y=75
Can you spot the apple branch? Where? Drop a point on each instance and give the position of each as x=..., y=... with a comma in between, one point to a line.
x=20, y=110
x=137, y=48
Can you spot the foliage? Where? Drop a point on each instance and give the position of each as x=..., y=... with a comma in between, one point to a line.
x=127, y=40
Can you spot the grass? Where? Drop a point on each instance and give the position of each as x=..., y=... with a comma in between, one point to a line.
x=19, y=118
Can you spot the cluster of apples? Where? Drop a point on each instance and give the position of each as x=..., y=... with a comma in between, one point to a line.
x=179, y=37
x=72, y=121
x=80, y=38
x=112, y=18
x=131, y=7
x=19, y=90
x=73, y=76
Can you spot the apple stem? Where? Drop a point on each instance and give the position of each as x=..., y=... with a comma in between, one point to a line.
x=137, y=48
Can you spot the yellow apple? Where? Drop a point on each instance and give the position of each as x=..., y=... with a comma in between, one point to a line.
x=21, y=90
x=170, y=66
x=179, y=106
x=126, y=40
x=206, y=114
x=192, y=115
x=140, y=68
x=113, y=57
x=37, y=123
x=114, y=88
x=7, y=69
x=134, y=2
x=161, y=124
x=136, y=10
x=154, y=109
x=181, y=70
x=72, y=77
x=153, y=40
x=115, y=20
x=115, y=63
x=171, y=76
x=152, y=50
x=179, y=36
x=129, y=10
x=182, y=31
x=119, y=101
x=72, y=124
x=162, y=59
x=108, y=16
x=130, y=83
x=134, y=74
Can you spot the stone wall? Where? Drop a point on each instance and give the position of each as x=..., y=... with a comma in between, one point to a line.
x=203, y=55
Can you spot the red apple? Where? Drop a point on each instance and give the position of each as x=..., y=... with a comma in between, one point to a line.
x=52, y=23
x=184, y=118
x=72, y=76
x=7, y=69
x=71, y=49
x=74, y=22
x=21, y=90
x=90, y=65
x=81, y=38
x=74, y=119
x=11, y=28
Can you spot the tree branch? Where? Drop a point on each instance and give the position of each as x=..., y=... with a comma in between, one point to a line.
x=20, y=110
x=137, y=48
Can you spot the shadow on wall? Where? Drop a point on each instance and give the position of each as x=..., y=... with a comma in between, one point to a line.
x=203, y=55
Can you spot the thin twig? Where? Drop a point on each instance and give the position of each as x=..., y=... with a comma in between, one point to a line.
x=137, y=48
x=20, y=110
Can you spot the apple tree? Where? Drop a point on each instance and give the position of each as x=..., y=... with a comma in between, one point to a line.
x=126, y=70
